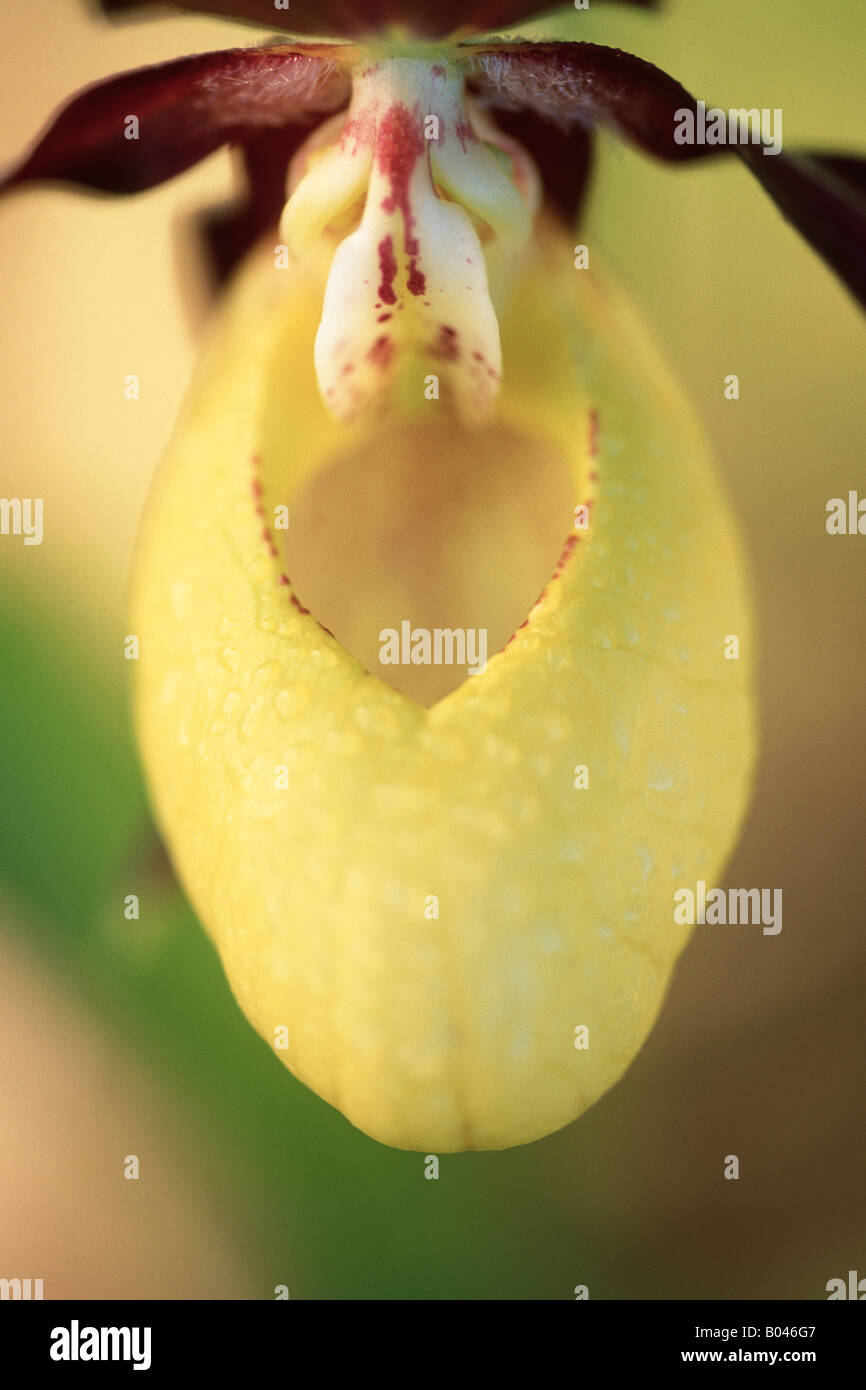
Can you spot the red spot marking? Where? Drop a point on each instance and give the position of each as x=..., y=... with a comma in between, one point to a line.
x=399, y=146
x=524, y=624
x=491, y=371
x=417, y=283
x=357, y=133
x=593, y=476
x=283, y=580
x=465, y=134
x=561, y=562
x=560, y=566
x=593, y=434
x=258, y=492
x=388, y=270
x=305, y=612
x=381, y=352
x=439, y=71
x=383, y=318
x=348, y=369
x=446, y=345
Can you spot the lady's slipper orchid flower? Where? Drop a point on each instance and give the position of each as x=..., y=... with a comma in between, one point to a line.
x=453, y=920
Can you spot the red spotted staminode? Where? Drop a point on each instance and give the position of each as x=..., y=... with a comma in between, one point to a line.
x=420, y=148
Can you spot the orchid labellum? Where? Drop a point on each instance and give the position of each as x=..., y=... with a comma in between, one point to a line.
x=447, y=906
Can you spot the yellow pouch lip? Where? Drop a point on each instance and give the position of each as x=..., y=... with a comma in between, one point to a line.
x=572, y=676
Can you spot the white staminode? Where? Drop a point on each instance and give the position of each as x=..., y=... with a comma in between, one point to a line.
x=407, y=293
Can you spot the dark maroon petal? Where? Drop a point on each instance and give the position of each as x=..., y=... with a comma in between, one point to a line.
x=230, y=231
x=350, y=18
x=848, y=167
x=825, y=198
x=586, y=84
x=579, y=85
x=563, y=157
x=185, y=110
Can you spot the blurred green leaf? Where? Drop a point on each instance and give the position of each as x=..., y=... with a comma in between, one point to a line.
x=320, y=1206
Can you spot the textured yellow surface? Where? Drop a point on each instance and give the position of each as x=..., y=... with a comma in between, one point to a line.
x=555, y=904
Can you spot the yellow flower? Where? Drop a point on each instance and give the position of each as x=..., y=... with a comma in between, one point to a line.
x=555, y=901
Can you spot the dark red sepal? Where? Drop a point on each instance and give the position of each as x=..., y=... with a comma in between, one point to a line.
x=229, y=232
x=185, y=110
x=562, y=157
x=576, y=85
x=824, y=196
x=429, y=19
